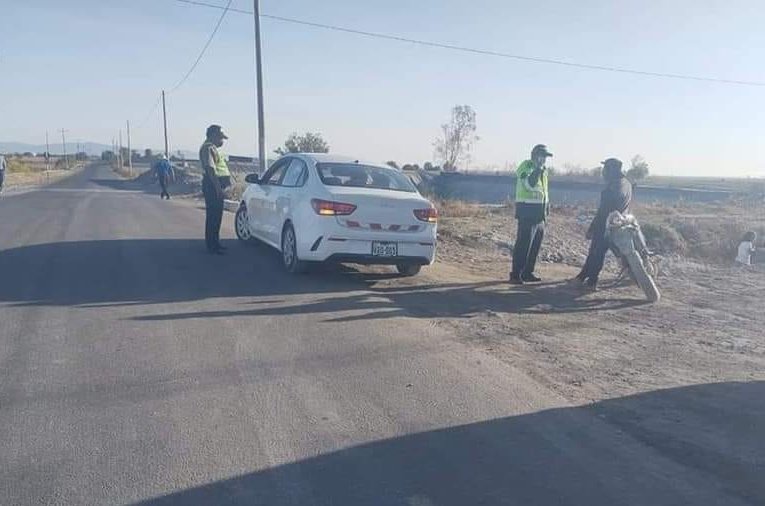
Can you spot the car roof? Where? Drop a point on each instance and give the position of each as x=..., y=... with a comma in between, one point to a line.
x=333, y=158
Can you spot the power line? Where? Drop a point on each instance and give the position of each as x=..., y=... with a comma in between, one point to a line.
x=191, y=70
x=150, y=113
x=202, y=53
x=485, y=52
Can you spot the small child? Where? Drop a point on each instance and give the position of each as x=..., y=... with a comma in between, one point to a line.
x=746, y=249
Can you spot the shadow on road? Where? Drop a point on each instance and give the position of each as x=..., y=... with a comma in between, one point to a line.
x=146, y=271
x=132, y=272
x=699, y=445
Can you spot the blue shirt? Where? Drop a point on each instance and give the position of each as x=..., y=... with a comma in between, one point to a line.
x=163, y=168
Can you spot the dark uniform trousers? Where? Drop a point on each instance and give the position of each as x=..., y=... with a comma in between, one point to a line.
x=527, y=244
x=213, y=214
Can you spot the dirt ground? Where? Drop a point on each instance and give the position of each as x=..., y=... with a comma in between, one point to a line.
x=707, y=328
x=20, y=179
x=593, y=346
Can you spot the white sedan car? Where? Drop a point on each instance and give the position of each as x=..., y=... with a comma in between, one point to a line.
x=326, y=208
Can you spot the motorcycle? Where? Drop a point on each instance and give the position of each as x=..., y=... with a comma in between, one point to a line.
x=628, y=243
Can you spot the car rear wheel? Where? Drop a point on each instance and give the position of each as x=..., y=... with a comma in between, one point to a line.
x=289, y=252
x=242, y=225
x=408, y=269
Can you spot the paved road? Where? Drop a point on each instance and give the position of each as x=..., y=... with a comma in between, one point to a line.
x=134, y=368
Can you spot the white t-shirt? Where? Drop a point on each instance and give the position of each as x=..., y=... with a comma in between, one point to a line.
x=745, y=253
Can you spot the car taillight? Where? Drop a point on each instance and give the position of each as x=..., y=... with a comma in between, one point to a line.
x=429, y=215
x=327, y=208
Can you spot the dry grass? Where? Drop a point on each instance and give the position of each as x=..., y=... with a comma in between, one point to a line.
x=708, y=232
x=18, y=166
x=458, y=209
x=705, y=232
x=124, y=172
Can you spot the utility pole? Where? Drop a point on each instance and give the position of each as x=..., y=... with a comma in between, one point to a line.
x=129, y=153
x=47, y=153
x=259, y=78
x=164, y=120
x=121, y=162
x=63, y=144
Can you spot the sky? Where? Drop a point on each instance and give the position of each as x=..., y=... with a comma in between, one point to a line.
x=90, y=65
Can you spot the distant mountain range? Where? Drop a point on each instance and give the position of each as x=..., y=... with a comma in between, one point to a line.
x=91, y=148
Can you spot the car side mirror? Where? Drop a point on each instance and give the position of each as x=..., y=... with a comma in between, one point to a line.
x=252, y=179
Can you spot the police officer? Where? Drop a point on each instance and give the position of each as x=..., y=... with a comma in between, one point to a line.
x=531, y=208
x=216, y=179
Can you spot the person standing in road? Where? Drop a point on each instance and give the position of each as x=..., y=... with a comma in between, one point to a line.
x=617, y=196
x=531, y=209
x=165, y=175
x=2, y=171
x=216, y=178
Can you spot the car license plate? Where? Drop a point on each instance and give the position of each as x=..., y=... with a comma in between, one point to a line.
x=384, y=249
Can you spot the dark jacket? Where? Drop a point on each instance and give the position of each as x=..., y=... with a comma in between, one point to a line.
x=617, y=196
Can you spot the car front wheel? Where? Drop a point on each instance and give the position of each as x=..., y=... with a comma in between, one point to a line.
x=242, y=225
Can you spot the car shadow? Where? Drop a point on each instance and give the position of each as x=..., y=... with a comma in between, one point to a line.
x=148, y=271
x=701, y=444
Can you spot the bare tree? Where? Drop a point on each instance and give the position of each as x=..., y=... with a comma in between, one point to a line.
x=308, y=143
x=457, y=137
x=639, y=169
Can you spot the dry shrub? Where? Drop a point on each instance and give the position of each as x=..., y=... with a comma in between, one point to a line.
x=449, y=208
x=664, y=239
x=18, y=167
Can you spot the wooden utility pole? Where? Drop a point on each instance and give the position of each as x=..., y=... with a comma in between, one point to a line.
x=47, y=153
x=63, y=144
x=259, y=77
x=129, y=153
x=164, y=121
x=47, y=158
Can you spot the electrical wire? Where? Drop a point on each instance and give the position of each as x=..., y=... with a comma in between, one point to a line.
x=485, y=52
x=150, y=113
x=204, y=49
x=193, y=66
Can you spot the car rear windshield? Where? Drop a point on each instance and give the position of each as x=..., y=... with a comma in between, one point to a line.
x=355, y=175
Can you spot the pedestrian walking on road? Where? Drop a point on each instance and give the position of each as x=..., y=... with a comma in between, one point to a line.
x=617, y=196
x=2, y=171
x=531, y=208
x=165, y=175
x=216, y=178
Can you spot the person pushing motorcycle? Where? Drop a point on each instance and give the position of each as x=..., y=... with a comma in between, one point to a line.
x=617, y=196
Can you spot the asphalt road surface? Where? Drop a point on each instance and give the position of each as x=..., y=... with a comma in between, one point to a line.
x=137, y=369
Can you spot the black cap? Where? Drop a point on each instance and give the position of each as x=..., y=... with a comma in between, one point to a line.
x=612, y=162
x=215, y=131
x=540, y=149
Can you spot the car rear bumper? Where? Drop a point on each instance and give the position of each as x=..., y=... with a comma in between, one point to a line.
x=421, y=251
x=347, y=258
